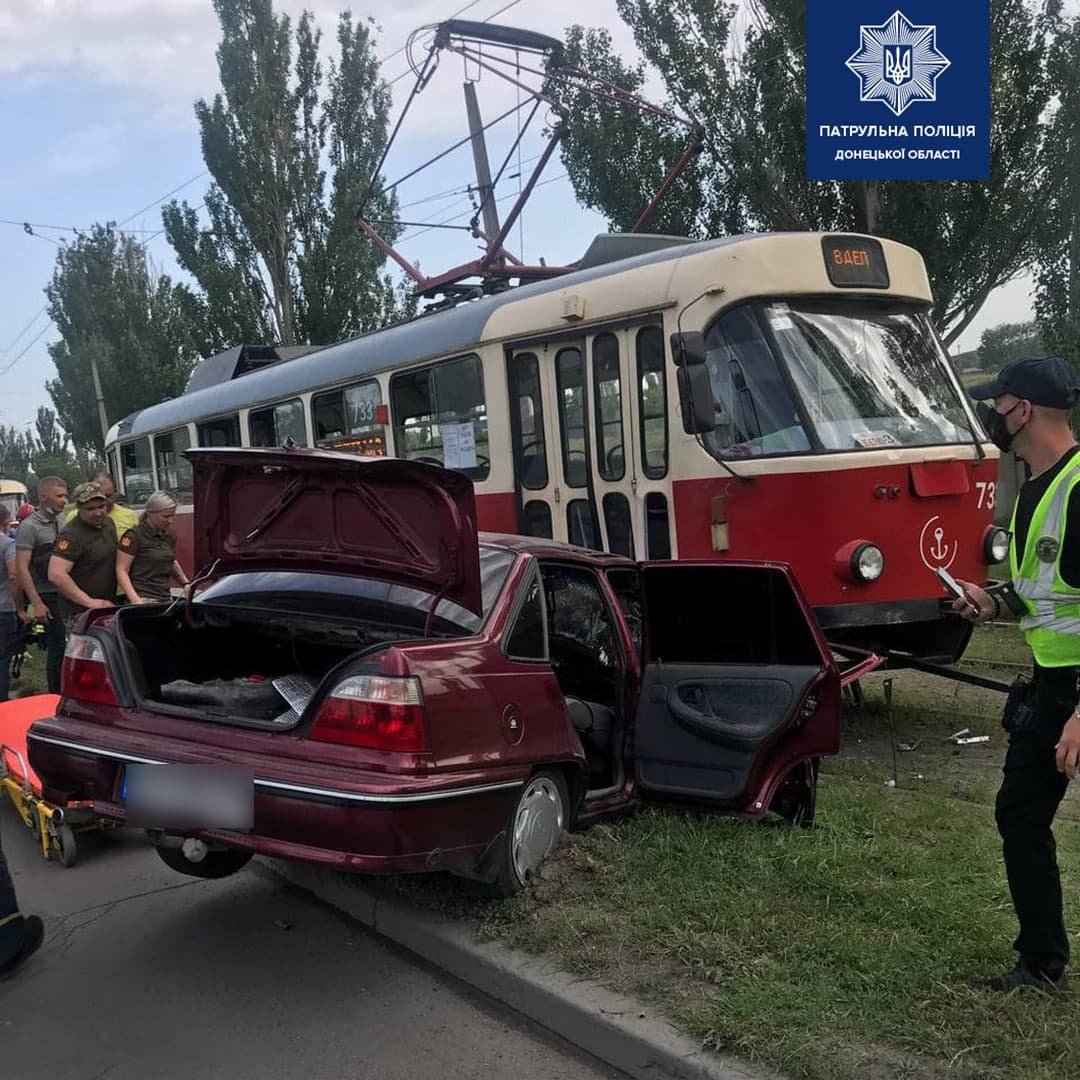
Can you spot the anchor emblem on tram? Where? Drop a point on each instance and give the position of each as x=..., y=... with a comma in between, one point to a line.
x=936, y=547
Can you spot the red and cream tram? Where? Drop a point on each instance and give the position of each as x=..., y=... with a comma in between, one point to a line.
x=812, y=417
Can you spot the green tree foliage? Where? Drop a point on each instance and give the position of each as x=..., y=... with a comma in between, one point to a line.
x=750, y=98
x=28, y=455
x=144, y=331
x=50, y=438
x=16, y=452
x=1009, y=341
x=281, y=260
x=1057, y=296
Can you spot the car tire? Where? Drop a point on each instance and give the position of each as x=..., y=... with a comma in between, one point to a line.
x=66, y=847
x=534, y=830
x=216, y=864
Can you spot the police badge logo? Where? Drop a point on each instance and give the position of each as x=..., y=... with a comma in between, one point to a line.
x=1047, y=549
x=898, y=63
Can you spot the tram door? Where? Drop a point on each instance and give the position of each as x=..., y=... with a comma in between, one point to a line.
x=628, y=421
x=590, y=439
x=549, y=431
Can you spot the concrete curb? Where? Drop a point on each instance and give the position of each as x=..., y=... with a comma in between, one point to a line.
x=617, y=1030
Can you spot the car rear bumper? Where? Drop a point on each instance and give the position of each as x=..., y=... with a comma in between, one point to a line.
x=356, y=821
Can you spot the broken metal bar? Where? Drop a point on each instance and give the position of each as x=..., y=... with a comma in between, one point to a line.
x=475, y=269
x=693, y=148
x=526, y=191
x=489, y=197
x=390, y=251
x=907, y=660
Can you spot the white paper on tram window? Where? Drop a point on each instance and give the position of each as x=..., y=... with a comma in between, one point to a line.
x=459, y=446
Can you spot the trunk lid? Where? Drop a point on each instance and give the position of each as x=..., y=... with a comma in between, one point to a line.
x=316, y=511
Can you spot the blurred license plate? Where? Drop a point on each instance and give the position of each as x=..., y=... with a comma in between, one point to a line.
x=189, y=797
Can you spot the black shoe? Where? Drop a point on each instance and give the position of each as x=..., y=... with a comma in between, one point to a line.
x=1022, y=977
x=33, y=935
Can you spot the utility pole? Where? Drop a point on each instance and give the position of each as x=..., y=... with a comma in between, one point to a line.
x=483, y=169
x=102, y=416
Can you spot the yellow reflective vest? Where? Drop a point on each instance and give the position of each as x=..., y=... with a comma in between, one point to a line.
x=1052, y=622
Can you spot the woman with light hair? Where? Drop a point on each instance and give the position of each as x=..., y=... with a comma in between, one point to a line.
x=146, y=563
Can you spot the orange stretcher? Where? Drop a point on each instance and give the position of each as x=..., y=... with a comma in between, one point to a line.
x=54, y=826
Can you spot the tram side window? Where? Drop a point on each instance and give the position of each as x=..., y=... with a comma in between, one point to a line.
x=536, y=520
x=173, y=469
x=224, y=431
x=620, y=527
x=607, y=392
x=582, y=527
x=756, y=414
x=657, y=526
x=527, y=416
x=440, y=416
x=276, y=425
x=138, y=471
x=347, y=420
x=652, y=402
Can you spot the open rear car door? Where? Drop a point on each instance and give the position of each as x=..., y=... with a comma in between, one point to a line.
x=740, y=693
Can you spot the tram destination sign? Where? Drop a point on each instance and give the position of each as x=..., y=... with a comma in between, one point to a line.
x=855, y=262
x=897, y=90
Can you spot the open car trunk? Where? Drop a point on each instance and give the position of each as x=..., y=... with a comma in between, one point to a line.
x=235, y=666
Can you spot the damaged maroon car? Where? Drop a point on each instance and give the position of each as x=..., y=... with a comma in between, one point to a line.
x=400, y=694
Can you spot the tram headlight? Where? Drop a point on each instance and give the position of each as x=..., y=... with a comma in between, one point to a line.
x=996, y=544
x=867, y=562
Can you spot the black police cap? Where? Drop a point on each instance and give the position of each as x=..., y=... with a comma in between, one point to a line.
x=1045, y=381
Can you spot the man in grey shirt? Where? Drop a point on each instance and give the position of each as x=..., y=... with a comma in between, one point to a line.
x=33, y=548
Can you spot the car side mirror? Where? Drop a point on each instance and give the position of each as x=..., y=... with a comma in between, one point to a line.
x=696, y=399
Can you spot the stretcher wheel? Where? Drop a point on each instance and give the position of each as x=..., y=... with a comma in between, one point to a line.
x=67, y=848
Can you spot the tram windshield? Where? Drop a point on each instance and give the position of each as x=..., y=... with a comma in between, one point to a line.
x=866, y=376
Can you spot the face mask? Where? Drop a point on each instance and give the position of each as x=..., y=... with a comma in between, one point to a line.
x=996, y=426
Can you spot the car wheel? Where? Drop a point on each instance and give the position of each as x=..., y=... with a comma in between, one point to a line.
x=67, y=848
x=215, y=864
x=533, y=832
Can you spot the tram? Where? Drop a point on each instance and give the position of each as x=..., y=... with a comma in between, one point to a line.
x=771, y=396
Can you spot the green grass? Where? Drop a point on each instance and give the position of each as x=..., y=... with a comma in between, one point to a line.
x=835, y=953
x=32, y=680
x=972, y=378
x=838, y=953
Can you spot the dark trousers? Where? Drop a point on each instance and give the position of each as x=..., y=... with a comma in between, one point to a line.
x=11, y=931
x=1031, y=791
x=9, y=639
x=55, y=642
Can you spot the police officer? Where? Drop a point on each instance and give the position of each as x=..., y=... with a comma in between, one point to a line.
x=83, y=564
x=123, y=517
x=1032, y=404
x=146, y=565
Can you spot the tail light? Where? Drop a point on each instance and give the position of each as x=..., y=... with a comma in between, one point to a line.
x=377, y=712
x=86, y=672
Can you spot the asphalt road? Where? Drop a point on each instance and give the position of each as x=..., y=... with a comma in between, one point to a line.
x=148, y=975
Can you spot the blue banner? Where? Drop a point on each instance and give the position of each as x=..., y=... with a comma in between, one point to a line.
x=897, y=90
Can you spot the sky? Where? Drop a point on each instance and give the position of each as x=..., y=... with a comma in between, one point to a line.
x=97, y=121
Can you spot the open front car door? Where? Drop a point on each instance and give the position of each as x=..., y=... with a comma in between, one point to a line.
x=740, y=694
